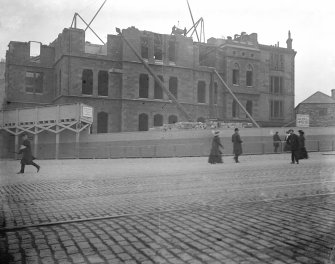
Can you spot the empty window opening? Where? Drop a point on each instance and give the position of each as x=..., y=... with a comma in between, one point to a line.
x=35, y=51
x=249, y=76
x=235, y=109
x=215, y=99
x=102, y=124
x=34, y=82
x=201, y=92
x=173, y=86
x=103, y=83
x=60, y=82
x=144, y=86
x=172, y=50
x=158, y=120
x=144, y=48
x=173, y=119
x=201, y=119
x=158, y=54
x=249, y=107
x=143, y=122
x=158, y=91
x=87, y=82
x=236, y=75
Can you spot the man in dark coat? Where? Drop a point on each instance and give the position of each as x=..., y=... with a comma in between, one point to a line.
x=276, y=141
x=215, y=153
x=237, y=145
x=293, y=142
x=27, y=156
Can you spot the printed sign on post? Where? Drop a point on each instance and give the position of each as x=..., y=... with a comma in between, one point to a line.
x=302, y=120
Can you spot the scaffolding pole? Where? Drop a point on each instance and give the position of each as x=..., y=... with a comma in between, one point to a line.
x=170, y=95
x=233, y=95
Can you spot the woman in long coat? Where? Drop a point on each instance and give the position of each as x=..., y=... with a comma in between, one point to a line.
x=237, y=145
x=302, y=149
x=215, y=153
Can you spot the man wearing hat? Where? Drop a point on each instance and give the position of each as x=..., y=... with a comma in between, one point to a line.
x=237, y=144
x=27, y=156
x=293, y=142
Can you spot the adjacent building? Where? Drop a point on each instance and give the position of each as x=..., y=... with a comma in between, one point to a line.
x=126, y=97
x=2, y=83
x=320, y=108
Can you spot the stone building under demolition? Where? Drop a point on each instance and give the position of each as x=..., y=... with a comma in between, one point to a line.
x=112, y=80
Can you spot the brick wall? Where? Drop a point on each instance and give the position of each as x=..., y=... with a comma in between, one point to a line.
x=320, y=115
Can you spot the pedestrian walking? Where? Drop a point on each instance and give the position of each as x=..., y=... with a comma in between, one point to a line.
x=215, y=153
x=276, y=141
x=302, y=149
x=27, y=156
x=237, y=145
x=293, y=142
x=287, y=146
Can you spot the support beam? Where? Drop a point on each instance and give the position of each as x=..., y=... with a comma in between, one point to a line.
x=35, y=143
x=77, y=144
x=158, y=80
x=16, y=147
x=233, y=95
x=57, y=144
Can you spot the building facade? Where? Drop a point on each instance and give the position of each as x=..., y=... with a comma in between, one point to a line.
x=2, y=83
x=126, y=97
x=320, y=108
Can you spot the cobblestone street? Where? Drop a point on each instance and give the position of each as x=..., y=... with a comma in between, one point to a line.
x=173, y=210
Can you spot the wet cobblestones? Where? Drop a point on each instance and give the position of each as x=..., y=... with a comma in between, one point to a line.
x=255, y=213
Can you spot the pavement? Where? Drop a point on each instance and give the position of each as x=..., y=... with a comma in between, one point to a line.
x=169, y=210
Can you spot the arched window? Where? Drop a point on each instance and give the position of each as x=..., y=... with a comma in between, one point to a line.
x=87, y=82
x=249, y=76
x=102, y=126
x=201, y=92
x=143, y=122
x=234, y=109
x=158, y=92
x=201, y=119
x=236, y=74
x=143, y=86
x=103, y=83
x=173, y=119
x=215, y=99
x=158, y=120
x=60, y=83
x=249, y=107
x=173, y=86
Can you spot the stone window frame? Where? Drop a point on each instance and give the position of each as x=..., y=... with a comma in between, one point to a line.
x=236, y=74
x=34, y=82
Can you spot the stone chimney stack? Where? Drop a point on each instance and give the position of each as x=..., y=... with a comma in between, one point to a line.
x=333, y=94
x=289, y=41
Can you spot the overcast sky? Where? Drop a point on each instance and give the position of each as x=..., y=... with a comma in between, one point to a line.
x=311, y=24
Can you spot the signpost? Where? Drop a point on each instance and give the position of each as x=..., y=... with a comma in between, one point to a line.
x=302, y=120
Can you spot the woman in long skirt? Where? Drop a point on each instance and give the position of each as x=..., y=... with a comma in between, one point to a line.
x=215, y=153
x=302, y=149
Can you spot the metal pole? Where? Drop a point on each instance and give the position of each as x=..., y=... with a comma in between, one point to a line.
x=158, y=80
x=233, y=95
x=91, y=29
x=95, y=15
x=189, y=8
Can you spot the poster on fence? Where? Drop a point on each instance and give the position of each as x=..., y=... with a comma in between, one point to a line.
x=302, y=120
